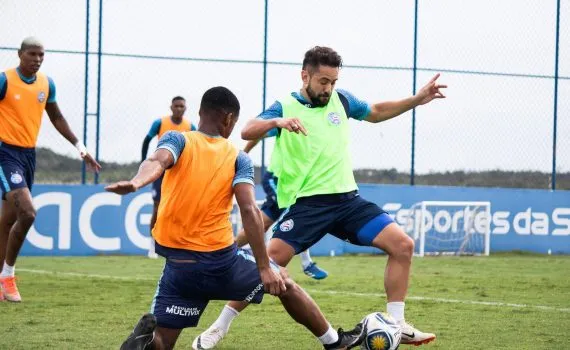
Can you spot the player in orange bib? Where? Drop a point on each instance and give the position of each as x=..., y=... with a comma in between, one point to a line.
x=159, y=127
x=24, y=95
x=193, y=232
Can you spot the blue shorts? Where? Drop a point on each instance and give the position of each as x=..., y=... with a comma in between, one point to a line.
x=184, y=289
x=270, y=206
x=346, y=216
x=156, y=186
x=17, y=167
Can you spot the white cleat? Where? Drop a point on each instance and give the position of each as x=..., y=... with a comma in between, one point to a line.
x=413, y=336
x=208, y=339
x=152, y=255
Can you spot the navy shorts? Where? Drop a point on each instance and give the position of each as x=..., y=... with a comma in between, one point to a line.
x=156, y=186
x=184, y=289
x=346, y=216
x=270, y=206
x=17, y=167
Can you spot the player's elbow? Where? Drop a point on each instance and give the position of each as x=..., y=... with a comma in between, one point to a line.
x=250, y=211
x=247, y=134
x=251, y=132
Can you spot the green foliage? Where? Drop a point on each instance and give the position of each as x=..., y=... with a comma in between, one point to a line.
x=56, y=168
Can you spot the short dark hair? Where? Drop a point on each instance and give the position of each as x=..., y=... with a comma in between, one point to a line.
x=321, y=56
x=178, y=98
x=219, y=99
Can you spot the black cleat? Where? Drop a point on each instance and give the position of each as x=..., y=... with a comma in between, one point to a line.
x=142, y=335
x=349, y=339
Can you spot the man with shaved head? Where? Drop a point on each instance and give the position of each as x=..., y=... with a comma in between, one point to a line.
x=24, y=95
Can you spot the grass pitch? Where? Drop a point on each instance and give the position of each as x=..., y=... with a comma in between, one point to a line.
x=505, y=301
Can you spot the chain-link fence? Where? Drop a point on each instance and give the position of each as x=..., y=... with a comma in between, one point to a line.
x=117, y=64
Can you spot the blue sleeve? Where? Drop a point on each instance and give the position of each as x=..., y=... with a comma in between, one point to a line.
x=274, y=111
x=192, y=127
x=174, y=142
x=357, y=108
x=3, y=85
x=51, y=93
x=244, y=170
x=154, y=128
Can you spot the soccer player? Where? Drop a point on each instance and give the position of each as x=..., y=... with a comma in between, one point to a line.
x=159, y=127
x=270, y=212
x=24, y=95
x=317, y=185
x=193, y=232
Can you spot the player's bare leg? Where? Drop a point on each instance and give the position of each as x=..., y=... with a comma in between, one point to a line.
x=400, y=248
x=300, y=306
x=18, y=201
x=151, y=252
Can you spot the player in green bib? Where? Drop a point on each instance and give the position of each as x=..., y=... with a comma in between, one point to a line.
x=317, y=185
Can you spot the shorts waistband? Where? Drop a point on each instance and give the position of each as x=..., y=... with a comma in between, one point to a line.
x=16, y=148
x=328, y=198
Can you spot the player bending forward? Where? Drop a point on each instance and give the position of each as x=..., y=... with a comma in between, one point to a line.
x=193, y=232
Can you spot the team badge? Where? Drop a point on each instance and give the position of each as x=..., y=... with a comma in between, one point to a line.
x=42, y=97
x=16, y=178
x=334, y=118
x=287, y=225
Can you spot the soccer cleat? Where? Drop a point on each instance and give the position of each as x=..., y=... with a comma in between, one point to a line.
x=348, y=340
x=9, y=289
x=152, y=255
x=208, y=339
x=315, y=272
x=412, y=336
x=142, y=335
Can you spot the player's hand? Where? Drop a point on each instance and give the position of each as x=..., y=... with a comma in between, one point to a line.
x=430, y=91
x=292, y=125
x=272, y=281
x=121, y=187
x=91, y=163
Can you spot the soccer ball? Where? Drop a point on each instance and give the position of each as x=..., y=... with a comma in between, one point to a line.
x=382, y=332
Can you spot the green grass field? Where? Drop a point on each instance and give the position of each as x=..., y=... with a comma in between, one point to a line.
x=509, y=301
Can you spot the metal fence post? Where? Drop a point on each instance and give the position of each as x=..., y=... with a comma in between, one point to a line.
x=413, y=156
x=554, y=131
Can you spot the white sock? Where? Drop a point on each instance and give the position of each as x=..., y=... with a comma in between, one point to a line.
x=305, y=259
x=7, y=271
x=396, y=309
x=225, y=319
x=330, y=337
x=151, y=247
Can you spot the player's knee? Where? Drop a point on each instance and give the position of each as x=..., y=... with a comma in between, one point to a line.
x=293, y=288
x=404, y=248
x=27, y=216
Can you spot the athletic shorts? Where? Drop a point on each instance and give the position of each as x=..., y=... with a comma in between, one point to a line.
x=17, y=167
x=184, y=289
x=270, y=206
x=346, y=216
x=156, y=186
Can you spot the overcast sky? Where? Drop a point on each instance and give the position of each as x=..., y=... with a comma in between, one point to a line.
x=487, y=121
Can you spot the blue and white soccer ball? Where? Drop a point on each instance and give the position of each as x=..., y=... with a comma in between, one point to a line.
x=382, y=332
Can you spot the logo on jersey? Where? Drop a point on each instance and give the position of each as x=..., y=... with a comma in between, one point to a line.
x=16, y=178
x=334, y=118
x=42, y=97
x=287, y=225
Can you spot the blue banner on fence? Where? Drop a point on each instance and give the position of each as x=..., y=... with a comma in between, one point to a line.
x=86, y=220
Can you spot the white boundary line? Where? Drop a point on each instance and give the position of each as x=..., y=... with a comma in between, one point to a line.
x=315, y=291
